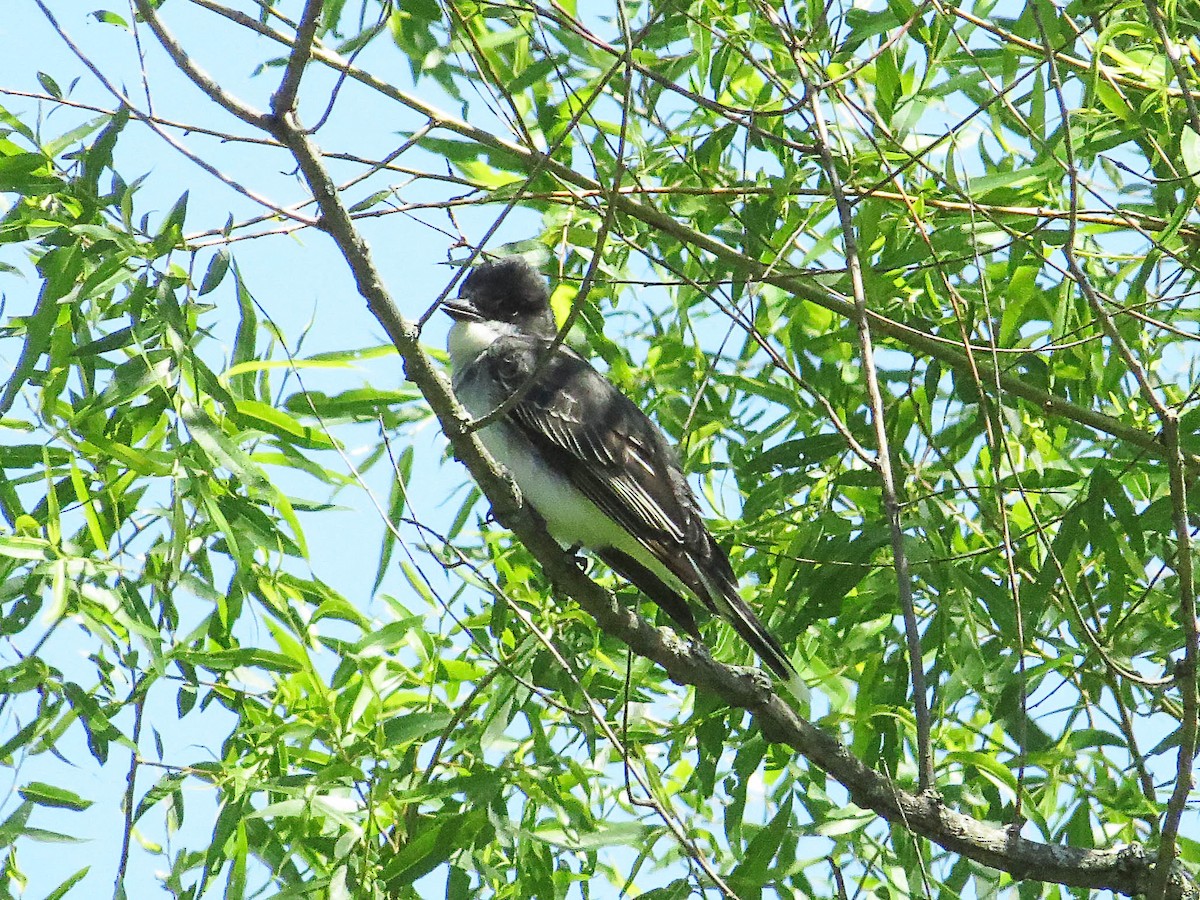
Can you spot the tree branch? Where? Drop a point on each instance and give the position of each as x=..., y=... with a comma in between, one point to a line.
x=197, y=75
x=284, y=100
x=883, y=458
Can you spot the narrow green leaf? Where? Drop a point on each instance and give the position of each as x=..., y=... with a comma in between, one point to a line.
x=166, y=785
x=27, y=548
x=109, y=18
x=215, y=273
x=50, y=85
x=244, y=348
x=68, y=883
x=86, y=505
x=396, y=505
x=761, y=851
x=60, y=268
x=411, y=726
x=1189, y=150
x=51, y=795
x=251, y=657
x=264, y=417
x=120, y=338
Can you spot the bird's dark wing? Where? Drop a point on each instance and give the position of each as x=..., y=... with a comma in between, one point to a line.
x=572, y=414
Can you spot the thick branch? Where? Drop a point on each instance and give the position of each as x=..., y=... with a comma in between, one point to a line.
x=285, y=98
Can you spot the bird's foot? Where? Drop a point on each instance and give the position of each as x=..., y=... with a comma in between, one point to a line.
x=581, y=561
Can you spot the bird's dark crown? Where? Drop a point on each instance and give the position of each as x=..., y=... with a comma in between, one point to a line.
x=506, y=290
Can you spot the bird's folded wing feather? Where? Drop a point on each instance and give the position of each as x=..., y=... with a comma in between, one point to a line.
x=572, y=411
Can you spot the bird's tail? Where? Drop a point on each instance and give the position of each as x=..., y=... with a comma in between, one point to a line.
x=724, y=599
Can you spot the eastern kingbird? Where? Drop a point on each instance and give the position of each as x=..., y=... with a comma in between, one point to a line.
x=592, y=465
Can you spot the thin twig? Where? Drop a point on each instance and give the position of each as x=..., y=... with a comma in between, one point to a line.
x=195, y=74
x=1136, y=756
x=139, y=708
x=141, y=54
x=883, y=460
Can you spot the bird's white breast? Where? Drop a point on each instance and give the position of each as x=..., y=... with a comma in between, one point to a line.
x=467, y=340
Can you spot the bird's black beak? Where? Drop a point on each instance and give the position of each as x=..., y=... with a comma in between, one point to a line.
x=461, y=310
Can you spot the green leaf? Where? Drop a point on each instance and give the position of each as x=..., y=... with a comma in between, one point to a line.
x=250, y=657
x=27, y=548
x=170, y=232
x=221, y=450
x=757, y=858
x=134, y=379
x=798, y=453
x=83, y=495
x=396, y=504
x=50, y=85
x=69, y=882
x=428, y=849
x=168, y=783
x=60, y=268
x=596, y=836
x=109, y=18
x=1083, y=738
x=50, y=795
x=988, y=766
x=244, y=343
x=415, y=725
x=215, y=273
x=262, y=417
x=117, y=340
x=1189, y=151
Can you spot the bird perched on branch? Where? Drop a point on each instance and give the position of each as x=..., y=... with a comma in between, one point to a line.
x=592, y=465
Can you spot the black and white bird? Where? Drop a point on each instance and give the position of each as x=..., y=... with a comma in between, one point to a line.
x=592, y=465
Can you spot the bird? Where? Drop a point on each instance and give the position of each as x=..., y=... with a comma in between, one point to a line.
x=595, y=468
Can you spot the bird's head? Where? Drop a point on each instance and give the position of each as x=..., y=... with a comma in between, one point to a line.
x=505, y=291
